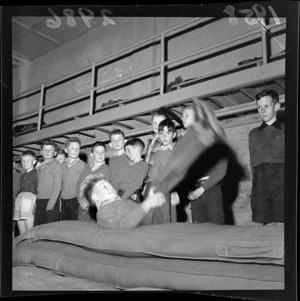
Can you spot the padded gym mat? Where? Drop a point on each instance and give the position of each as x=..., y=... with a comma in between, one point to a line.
x=205, y=241
x=164, y=273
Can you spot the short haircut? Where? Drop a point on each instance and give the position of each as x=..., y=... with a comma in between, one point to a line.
x=72, y=139
x=61, y=152
x=116, y=132
x=86, y=187
x=136, y=142
x=49, y=142
x=98, y=143
x=29, y=153
x=167, y=123
x=272, y=93
x=159, y=112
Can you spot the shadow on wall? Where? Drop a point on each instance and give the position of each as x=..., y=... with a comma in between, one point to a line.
x=83, y=156
x=281, y=115
x=230, y=185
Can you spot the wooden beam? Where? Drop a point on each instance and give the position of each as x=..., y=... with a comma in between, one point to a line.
x=280, y=83
x=32, y=148
x=215, y=101
x=176, y=111
x=125, y=126
x=238, y=121
x=245, y=92
x=223, y=84
x=58, y=142
x=102, y=130
x=87, y=135
x=246, y=107
x=139, y=119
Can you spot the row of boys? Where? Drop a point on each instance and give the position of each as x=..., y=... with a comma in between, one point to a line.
x=130, y=174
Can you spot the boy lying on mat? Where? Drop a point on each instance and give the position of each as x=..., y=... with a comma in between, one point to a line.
x=112, y=211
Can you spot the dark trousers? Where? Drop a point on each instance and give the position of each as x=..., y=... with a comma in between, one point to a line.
x=208, y=208
x=41, y=216
x=267, y=199
x=69, y=209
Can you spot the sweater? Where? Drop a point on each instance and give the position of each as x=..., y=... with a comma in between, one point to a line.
x=70, y=176
x=122, y=214
x=49, y=181
x=129, y=178
x=29, y=182
x=267, y=144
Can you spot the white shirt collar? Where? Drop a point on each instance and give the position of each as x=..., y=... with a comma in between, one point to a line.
x=170, y=146
x=132, y=163
x=119, y=153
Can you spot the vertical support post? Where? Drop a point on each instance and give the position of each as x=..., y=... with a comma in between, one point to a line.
x=162, y=60
x=92, y=90
x=40, y=118
x=264, y=44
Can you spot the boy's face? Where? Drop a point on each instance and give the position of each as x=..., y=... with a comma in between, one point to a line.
x=166, y=137
x=60, y=158
x=133, y=152
x=99, y=154
x=28, y=162
x=156, y=121
x=117, y=141
x=48, y=152
x=73, y=150
x=103, y=191
x=188, y=117
x=267, y=108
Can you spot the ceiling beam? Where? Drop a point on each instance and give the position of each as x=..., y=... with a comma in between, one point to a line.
x=103, y=130
x=176, y=111
x=30, y=30
x=58, y=142
x=125, y=126
x=87, y=135
x=32, y=148
x=280, y=83
x=215, y=101
x=249, y=95
x=139, y=119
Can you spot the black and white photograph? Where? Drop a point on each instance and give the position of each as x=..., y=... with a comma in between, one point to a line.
x=154, y=150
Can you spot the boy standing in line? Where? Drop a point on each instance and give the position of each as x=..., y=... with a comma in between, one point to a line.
x=154, y=143
x=119, y=158
x=130, y=179
x=71, y=170
x=97, y=167
x=267, y=158
x=25, y=201
x=166, y=134
x=49, y=175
